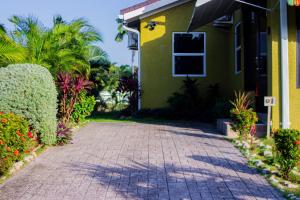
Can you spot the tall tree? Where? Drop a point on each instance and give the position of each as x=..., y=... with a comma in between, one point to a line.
x=63, y=47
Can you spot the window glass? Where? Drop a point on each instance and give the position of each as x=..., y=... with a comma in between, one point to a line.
x=189, y=43
x=238, y=48
x=189, y=65
x=238, y=35
x=263, y=43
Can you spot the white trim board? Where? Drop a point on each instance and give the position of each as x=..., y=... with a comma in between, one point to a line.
x=152, y=9
x=237, y=48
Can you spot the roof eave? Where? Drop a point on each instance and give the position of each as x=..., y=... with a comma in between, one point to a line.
x=151, y=9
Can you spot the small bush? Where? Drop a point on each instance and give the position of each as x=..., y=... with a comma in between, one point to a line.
x=243, y=121
x=64, y=134
x=83, y=107
x=29, y=90
x=15, y=140
x=188, y=103
x=221, y=110
x=70, y=87
x=242, y=101
x=243, y=116
x=129, y=87
x=287, y=150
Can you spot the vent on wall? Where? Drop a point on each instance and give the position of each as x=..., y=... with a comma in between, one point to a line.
x=132, y=41
x=224, y=22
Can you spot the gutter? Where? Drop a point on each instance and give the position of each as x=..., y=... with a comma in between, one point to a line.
x=139, y=62
x=284, y=55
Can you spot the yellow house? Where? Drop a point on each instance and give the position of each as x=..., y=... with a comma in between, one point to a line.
x=251, y=45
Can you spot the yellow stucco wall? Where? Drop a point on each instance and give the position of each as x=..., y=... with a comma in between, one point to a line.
x=157, y=81
x=274, y=67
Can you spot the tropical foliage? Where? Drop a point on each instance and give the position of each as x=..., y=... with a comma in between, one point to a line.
x=187, y=103
x=129, y=87
x=70, y=86
x=243, y=116
x=66, y=46
x=10, y=52
x=63, y=134
x=83, y=107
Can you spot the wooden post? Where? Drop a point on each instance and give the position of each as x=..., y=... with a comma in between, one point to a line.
x=269, y=102
x=269, y=122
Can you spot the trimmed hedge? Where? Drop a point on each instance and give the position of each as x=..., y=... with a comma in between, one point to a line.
x=29, y=90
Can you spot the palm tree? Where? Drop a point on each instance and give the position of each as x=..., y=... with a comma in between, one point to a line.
x=10, y=52
x=120, y=37
x=2, y=28
x=63, y=47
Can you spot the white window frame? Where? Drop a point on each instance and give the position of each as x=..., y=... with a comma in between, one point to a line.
x=188, y=54
x=237, y=48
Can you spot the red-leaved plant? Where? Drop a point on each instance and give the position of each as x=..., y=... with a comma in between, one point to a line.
x=130, y=87
x=69, y=87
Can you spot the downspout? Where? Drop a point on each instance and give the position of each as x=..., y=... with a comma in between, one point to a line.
x=284, y=55
x=139, y=61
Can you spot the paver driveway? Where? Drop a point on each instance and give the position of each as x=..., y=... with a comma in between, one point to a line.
x=140, y=161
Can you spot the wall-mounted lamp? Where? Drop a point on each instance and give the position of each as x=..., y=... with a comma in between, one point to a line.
x=151, y=25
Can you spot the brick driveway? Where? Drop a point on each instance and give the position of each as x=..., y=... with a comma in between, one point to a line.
x=139, y=161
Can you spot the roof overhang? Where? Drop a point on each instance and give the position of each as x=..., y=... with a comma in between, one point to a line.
x=207, y=11
x=151, y=9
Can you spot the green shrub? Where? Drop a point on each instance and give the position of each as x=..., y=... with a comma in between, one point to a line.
x=287, y=150
x=15, y=140
x=221, y=109
x=84, y=107
x=29, y=90
x=187, y=104
x=243, y=121
x=243, y=116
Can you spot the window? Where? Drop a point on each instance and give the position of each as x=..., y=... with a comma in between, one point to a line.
x=298, y=46
x=189, y=54
x=263, y=53
x=238, y=48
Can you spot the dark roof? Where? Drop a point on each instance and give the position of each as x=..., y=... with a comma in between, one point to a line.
x=138, y=6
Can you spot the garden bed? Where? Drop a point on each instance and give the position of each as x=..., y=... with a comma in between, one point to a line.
x=261, y=157
x=21, y=163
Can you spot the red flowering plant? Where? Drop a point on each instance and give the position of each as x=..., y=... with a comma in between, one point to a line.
x=287, y=150
x=16, y=139
x=253, y=131
x=70, y=87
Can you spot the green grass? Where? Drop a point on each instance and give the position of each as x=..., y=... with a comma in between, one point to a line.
x=114, y=117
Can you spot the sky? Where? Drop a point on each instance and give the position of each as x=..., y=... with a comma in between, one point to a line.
x=100, y=13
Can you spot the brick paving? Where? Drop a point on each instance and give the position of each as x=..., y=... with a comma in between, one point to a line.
x=117, y=161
